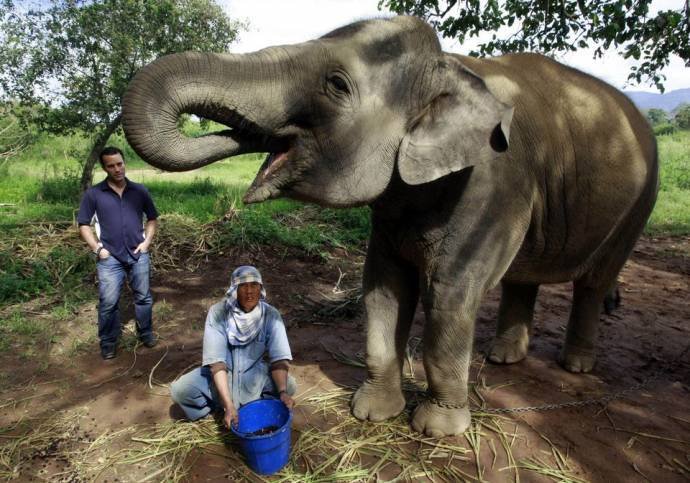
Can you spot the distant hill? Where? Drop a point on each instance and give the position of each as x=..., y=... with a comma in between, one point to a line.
x=667, y=101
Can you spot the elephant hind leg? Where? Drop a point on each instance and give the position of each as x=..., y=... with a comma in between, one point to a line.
x=578, y=354
x=612, y=299
x=590, y=292
x=591, y=289
x=514, y=322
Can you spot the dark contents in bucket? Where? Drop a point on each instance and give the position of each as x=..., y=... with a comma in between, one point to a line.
x=263, y=431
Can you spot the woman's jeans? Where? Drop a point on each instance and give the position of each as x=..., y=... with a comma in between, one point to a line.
x=111, y=278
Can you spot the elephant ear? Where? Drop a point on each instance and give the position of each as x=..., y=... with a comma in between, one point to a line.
x=463, y=125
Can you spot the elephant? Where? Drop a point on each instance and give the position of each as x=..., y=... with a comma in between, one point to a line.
x=513, y=169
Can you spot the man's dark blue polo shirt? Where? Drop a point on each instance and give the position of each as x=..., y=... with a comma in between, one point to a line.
x=120, y=219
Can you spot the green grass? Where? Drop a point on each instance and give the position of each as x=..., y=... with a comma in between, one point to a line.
x=41, y=261
x=674, y=155
x=83, y=345
x=163, y=309
x=24, y=334
x=17, y=324
x=671, y=215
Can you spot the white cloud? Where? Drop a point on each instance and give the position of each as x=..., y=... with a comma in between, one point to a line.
x=279, y=22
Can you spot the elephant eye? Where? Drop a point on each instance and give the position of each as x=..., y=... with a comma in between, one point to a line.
x=339, y=83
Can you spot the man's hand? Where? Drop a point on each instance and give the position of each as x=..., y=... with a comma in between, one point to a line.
x=103, y=254
x=287, y=400
x=149, y=232
x=220, y=380
x=231, y=417
x=143, y=247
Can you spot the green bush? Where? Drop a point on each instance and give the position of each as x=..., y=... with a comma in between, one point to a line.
x=656, y=116
x=663, y=129
x=63, y=188
x=682, y=116
x=21, y=280
x=60, y=270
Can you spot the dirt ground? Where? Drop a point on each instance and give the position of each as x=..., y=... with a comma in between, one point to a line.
x=641, y=435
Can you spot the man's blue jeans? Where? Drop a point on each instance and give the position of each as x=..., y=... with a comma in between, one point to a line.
x=111, y=278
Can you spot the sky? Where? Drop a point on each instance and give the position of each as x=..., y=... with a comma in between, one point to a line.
x=280, y=22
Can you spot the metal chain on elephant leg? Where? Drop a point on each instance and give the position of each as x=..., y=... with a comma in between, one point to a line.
x=574, y=404
x=443, y=404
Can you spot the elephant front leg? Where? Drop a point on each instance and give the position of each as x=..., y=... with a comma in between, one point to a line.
x=390, y=300
x=514, y=323
x=447, y=353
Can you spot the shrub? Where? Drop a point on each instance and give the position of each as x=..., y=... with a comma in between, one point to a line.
x=60, y=270
x=21, y=280
x=63, y=188
x=656, y=116
x=663, y=129
x=682, y=116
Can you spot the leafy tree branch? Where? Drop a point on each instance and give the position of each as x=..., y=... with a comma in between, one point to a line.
x=71, y=60
x=550, y=26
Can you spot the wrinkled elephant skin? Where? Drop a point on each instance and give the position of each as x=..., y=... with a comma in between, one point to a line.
x=514, y=169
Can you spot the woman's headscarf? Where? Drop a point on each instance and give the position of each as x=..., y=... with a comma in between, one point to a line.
x=243, y=326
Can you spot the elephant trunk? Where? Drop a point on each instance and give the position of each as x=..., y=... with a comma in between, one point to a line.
x=239, y=91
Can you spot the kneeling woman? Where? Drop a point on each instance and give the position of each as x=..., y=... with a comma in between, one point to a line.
x=239, y=331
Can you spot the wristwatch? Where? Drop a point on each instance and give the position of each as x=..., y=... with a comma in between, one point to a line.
x=98, y=249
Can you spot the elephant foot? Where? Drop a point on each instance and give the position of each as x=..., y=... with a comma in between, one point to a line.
x=437, y=421
x=576, y=360
x=377, y=403
x=507, y=351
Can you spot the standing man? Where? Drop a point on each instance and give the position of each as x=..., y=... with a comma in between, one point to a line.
x=121, y=248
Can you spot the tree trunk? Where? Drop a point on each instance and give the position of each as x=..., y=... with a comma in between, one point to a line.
x=99, y=144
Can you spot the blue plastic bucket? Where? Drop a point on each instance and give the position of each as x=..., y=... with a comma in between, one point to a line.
x=265, y=453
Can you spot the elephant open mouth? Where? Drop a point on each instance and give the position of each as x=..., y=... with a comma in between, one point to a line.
x=273, y=162
x=278, y=169
x=276, y=173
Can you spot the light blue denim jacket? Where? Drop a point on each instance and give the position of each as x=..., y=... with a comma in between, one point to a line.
x=248, y=371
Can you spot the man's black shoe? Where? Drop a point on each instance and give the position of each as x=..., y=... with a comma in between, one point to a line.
x=108, y=353
x=150, y=342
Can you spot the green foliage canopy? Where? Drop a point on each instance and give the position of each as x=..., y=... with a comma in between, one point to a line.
x=656, y=116
x=564, y=25
x=71, y=60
